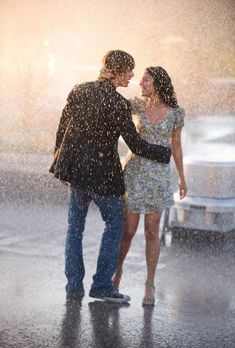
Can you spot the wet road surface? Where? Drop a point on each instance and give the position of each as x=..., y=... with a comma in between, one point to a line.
x=195, y=289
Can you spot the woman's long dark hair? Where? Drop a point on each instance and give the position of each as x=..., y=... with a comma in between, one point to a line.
x=163, y=85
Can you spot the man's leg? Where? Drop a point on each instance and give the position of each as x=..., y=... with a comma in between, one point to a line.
x=111, y=209
x=74, y=266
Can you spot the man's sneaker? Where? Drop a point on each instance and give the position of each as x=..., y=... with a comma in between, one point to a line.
x=113, y=297
x=117, y=297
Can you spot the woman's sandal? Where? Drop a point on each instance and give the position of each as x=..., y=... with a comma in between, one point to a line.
x=149, y=300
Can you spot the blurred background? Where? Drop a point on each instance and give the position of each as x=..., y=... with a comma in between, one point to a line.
x=47, y=47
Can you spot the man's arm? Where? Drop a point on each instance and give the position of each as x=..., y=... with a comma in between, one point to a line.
x=139, y=146
x=63, y=124
x=70, y=110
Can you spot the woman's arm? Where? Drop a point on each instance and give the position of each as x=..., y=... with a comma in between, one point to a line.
x=178, y=158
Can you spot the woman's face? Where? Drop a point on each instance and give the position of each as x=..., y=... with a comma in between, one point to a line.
x=147, y=86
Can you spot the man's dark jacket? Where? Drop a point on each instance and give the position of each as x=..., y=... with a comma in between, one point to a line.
x=86, y=151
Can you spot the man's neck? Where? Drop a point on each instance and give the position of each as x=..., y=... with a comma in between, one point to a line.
x=115, y=81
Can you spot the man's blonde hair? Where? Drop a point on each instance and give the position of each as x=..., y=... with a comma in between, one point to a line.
x=117, y=62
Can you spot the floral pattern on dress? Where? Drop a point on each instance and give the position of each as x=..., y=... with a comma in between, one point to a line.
x=148, y=183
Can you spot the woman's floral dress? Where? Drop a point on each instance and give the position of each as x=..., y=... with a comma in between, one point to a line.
x=148, y=183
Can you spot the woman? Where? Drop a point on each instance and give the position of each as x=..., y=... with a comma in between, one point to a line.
x=148, y=188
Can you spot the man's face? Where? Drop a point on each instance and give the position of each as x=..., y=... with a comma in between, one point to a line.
x=147, y=86
x=124, y=78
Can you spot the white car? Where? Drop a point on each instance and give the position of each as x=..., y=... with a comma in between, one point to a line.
x=210, y=174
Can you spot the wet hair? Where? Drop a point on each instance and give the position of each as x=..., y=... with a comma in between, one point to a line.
x=118, y=61
x=163, y=85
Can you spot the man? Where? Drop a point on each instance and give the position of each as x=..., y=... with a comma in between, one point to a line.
x=86, y=156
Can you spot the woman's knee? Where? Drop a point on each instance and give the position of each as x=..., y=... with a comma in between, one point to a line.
x=131, y=222
x=129, y=234
x=151, y=235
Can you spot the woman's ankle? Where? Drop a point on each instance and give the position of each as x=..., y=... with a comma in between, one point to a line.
x=117, y=277
x=149, y=283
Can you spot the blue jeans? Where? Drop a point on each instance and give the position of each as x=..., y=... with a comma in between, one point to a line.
x=111, y=209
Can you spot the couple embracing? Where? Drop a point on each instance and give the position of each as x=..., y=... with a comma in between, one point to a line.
x=86, y=157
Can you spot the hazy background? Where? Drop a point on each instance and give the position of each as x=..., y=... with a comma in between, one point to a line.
x=47, y=47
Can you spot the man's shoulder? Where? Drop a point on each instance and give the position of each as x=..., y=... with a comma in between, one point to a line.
x=121, y=98
x=103, y=90
x=83, y=86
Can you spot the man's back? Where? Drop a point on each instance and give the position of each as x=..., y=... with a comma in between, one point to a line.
x=100, y=112
x=87, y=139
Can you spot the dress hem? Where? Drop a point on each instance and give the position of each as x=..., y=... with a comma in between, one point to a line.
x=141, y=211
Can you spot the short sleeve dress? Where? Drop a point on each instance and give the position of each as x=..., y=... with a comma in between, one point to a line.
x=148, y=183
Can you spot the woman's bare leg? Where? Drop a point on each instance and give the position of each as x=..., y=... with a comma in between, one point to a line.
x=152, y=252
x=130, y=227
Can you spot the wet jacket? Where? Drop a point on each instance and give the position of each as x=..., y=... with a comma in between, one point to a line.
x=86, y=151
